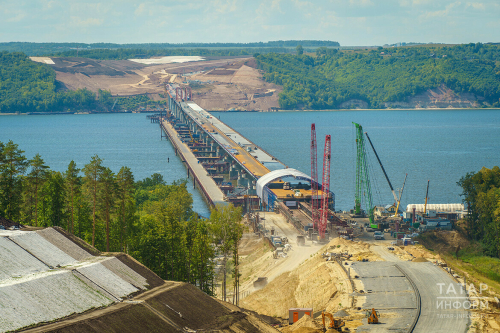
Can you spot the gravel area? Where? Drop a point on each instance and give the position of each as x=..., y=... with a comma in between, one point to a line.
x=45, y=297
x=16, y=262
x=124, y=272
x=107, y=280
x=42, y=249
x=64, y=244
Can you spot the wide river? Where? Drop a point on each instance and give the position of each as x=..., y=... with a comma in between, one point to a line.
x=440, y=146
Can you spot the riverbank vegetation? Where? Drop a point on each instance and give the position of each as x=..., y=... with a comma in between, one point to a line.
x=149, y=219
x=27, y=86
x=329, y=77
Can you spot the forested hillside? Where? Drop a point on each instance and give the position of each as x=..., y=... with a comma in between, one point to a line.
x=331, y=77
x=28, y=86
x=149, y=219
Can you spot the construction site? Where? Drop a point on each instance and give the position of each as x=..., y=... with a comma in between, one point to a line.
x=305, y=266
x=218, y=83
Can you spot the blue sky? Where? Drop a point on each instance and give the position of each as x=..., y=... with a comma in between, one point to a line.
x=350, y=22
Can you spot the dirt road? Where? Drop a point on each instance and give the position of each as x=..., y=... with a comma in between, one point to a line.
x=296, y=256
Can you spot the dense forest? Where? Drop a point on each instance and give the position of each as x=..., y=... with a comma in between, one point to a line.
x=152, y=221
x=330, y=77
x=38, y=49
x=27, y=86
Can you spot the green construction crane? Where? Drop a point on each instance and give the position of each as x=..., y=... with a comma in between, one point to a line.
x=363, y=187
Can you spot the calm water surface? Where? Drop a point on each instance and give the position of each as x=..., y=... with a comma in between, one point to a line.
x=119, y=140
x=440, y=146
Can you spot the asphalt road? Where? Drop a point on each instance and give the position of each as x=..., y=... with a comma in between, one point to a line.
x=389, y=289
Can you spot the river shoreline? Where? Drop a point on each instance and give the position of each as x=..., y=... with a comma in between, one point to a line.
x=261, y=111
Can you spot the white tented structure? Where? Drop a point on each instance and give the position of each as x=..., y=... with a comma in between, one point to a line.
x=272, y=176
x=448, y=208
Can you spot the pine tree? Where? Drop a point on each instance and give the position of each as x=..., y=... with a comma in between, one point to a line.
x=91, y=183
x=13, y=164
x=125, y=202
x=36, y=177
x=106, y=196
x=72, y=182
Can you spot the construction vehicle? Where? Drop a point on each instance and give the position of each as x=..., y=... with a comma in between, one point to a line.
x=372, y=317
x=301, y=240
x=335, y=324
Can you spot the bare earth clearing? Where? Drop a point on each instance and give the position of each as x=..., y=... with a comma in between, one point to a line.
x=221, y=83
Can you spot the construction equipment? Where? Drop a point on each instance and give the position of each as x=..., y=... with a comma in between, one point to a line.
x=314, y=179
x=335, y=324
x=400, y=195
x=426, y=197
x=385, y=174
x=363, y=187
x=325, y=187
x=372, y=317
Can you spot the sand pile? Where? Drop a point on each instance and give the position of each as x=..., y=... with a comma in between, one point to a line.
x=304, y=325
x=312, y=284
x=356, y=249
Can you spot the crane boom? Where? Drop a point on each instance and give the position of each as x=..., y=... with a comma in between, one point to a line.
x=426, y=197
x=314, y=178
x=400, y=195
x=325, y=187
x=385, y=174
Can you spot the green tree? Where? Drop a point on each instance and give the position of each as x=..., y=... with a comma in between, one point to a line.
x=12, y=167
x=106, y=198
x=224, y=222
x=72, y=183
x=91, y=184
x=300, y=50
x=36, y=177
x=125, y=203
x=52, y=207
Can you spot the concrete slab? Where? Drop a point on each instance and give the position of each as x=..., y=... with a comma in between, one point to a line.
x=208, y=184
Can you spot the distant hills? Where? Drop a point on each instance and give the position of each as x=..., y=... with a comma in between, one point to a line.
x=468, y=75
x=39, y=49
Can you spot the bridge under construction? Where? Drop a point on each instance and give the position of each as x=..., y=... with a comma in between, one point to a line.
x=229, y=168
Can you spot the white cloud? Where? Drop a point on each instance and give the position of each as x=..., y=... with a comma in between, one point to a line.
x=225, y=6
x=441, y=13
x=476, y=5
x=140, y=9
x=362, y=3
x=85, y=23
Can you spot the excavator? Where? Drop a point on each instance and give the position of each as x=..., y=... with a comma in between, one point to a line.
x=372, y=317
x=335, y=324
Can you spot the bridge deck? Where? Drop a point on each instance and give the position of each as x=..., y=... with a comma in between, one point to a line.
x=234, y=143
x=207, y=183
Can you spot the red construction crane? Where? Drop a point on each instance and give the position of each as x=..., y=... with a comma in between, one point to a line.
x=325, y=188
x=314, y=179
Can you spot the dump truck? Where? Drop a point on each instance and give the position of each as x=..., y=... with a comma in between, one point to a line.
x=301, y=240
